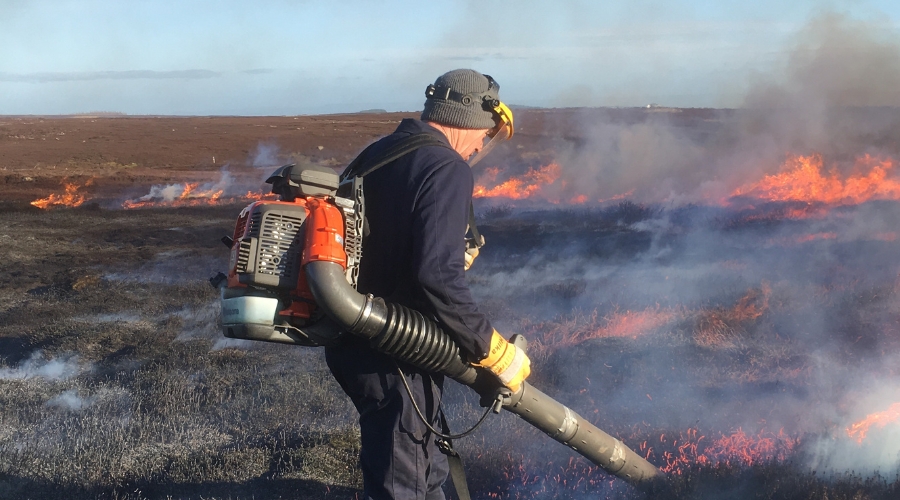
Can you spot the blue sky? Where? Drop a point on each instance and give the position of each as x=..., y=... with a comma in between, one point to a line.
x=280, y=57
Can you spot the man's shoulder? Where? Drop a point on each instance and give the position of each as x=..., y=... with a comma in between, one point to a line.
x=429, y=139
x=431, y=159
x=430, y=156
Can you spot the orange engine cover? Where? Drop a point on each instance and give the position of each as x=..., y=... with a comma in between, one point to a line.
x=324, y=233
x=272, y=242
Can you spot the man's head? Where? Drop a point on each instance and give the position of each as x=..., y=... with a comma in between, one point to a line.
x=466, y=106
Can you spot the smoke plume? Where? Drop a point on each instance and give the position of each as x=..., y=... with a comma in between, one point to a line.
x=833, y=94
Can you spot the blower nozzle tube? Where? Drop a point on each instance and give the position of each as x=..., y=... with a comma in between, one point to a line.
x=571, y=429
x=409, y=336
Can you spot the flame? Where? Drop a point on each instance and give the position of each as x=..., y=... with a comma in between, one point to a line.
x=623, y=324
x=675, y=454
x=803, y=178
x=579, y=200
x=720, y=327
x=859, y=430
x=70, y=198
x=618, y=197
x=190, y=195
x=251, y=196
x=632, y=324
x=817, y=236
x=738, y=448
x=517, y=188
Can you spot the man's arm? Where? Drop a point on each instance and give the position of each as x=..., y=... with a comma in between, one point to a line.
x=439, y=227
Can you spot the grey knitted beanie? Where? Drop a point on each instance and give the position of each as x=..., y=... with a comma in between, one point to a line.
x=454, y=108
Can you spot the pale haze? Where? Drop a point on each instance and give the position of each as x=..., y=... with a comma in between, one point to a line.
x=277, y=57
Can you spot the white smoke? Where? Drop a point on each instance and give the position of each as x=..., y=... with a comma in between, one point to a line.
x=170, y=192
x=36, y=366
x=229, y=343
x=878, y=451
x=70, y=400
x=265, y=156
x=199, y=322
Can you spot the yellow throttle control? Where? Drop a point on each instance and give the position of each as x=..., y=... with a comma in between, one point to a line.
x=507, y=361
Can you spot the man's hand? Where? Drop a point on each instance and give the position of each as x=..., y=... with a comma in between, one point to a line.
x=471, y=254
x=509, y=363
x=472, y=247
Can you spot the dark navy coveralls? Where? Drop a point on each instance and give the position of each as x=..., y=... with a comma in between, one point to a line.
x=417, y=210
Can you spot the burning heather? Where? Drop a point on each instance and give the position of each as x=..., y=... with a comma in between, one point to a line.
x=805, y=178
x=177, y=195
x=689, y=449
x=73, y=196
x=727, y=342
x=190, y=195
x=516, y=188
x=225, y=191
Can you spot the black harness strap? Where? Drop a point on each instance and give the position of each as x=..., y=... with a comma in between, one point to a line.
x=457, y=470
x=444, y=439
x=362, y=166
x=476, y=241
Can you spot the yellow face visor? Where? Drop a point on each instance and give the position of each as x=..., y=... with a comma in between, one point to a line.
x=504, y=119
x=501, y=132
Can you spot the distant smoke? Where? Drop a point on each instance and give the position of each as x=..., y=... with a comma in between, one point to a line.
x=120, y=317
x=837, y=62
x=229, y=343
x=827, y=98
x=834, y=95
x=655, y=160
x=265, y=156
x=62, y=368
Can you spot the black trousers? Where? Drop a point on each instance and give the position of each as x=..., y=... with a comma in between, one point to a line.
x=399, y=457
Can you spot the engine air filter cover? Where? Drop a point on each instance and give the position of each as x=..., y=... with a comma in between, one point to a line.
x=274, y=238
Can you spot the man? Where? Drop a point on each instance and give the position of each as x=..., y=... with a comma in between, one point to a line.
x=417, y=208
